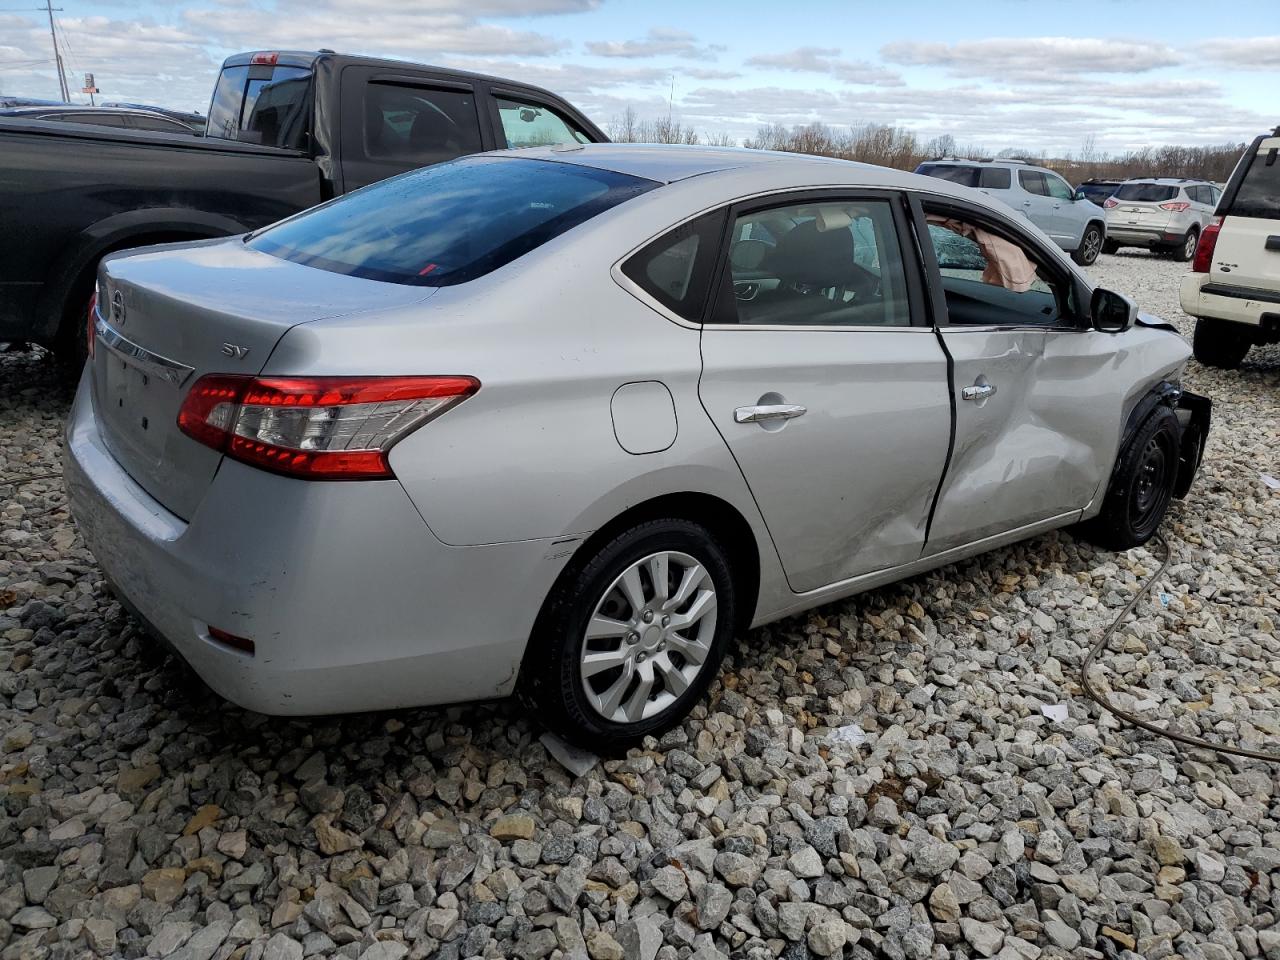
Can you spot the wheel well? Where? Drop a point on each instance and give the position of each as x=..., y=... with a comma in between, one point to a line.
x=721, y=518
x=71, y=305
x=1101, y=225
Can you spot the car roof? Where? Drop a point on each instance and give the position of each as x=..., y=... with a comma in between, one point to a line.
x=669, y=163
x=1166, y=181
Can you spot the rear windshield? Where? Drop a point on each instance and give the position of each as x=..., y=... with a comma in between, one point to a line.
x=1146, y=192
x=1259, y=193
x=449, y=223
x=261, y=104
x=1097, y=192
x=990, y=178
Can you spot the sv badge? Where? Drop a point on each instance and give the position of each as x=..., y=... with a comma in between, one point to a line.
x=235, y=351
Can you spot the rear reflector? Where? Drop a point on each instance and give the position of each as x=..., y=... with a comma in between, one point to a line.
x=1204, y=248
x=317, y=428
x=242, y=644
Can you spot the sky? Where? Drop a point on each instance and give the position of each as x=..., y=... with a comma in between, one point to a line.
x=1041, y=75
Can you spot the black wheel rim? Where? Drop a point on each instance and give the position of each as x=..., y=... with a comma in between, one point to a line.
x=1152, y=484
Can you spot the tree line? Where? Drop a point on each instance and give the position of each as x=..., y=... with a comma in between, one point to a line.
x=891, y=146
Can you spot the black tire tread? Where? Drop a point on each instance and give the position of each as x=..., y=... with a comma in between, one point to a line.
x=1216, y=344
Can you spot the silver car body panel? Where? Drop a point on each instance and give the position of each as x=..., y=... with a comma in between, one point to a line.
x=425, y=589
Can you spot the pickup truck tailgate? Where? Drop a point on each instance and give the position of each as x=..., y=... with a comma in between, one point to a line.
x=168, y=315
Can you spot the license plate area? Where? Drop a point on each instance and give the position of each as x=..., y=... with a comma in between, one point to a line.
x=136, y=404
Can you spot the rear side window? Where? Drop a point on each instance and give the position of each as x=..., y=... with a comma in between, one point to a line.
x=419, y=125
x=676, y=268
x=1033, y=181
x=448, y=223
x=951, y=172
x=1259, y=193
x=528, y=124
x=994, y=178
x=1146, y=192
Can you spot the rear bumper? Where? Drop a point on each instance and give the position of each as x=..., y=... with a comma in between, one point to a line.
x=1142, y=236
x=1201, y=297
x=351, y=602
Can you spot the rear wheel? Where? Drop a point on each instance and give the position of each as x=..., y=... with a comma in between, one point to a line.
x=631, y=638
x=1109, y=247
x=1090, y=246
x=1141, y=485
x=1219, y=343
x=1187, y=248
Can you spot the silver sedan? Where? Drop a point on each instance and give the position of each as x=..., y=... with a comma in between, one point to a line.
x=568, y=421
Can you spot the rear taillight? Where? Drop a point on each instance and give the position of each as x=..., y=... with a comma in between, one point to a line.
x=265, y=58
x=91, y=325
x=1110, y=202
x=319, y=428
x=1175, y=206
x=1204, y=249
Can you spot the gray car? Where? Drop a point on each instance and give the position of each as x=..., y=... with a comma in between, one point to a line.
x=569, y=421
x=1070, y=218
x=1165, y=215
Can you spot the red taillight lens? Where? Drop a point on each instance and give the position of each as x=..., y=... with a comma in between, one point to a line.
x=1175, y=206
x=268, y=58
x=1204, y=249
x=318, y=428
x=91, y=325
x=1110, y=202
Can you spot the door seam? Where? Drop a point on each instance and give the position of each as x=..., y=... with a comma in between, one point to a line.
x=951, y=441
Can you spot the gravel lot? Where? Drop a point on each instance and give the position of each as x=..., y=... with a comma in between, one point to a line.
x=141, y=816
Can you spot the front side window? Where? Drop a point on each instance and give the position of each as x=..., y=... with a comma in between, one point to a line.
x=990, y=279
x=449, y=223
x=1058, y=188
x=1033, y=182
x=419, y=125
x=528, y=124
x=816, y=264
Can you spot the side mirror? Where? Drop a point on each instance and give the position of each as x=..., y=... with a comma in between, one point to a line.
x=1111, y=312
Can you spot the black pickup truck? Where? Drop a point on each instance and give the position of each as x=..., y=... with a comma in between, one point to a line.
x=285, y=132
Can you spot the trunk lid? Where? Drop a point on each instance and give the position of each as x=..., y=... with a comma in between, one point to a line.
x=175, y=313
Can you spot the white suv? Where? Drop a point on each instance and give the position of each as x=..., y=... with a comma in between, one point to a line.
x=1071, y=220
x=1164, y=214
x=1234, y=287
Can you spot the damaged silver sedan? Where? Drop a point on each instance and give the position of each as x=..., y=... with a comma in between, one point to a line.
x=567, y=421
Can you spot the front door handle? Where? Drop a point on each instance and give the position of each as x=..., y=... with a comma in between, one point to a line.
x=979, y=391
x=769, y=413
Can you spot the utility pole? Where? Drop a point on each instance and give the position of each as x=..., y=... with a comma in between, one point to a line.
x=57, y=56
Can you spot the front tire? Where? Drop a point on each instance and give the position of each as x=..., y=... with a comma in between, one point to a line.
x=632, y=636
x=1091, y=244
x=1219, y=343
x=1141, y=487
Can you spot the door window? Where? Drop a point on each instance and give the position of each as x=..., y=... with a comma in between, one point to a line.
x=1058, y=188
x=528, y=124
x=816, y=264
x=991, y=279
x=417, y=126
x=1033, y=182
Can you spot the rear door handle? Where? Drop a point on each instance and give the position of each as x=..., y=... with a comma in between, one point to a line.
x=1273, y=242
x=766, y=414
x=978, y=391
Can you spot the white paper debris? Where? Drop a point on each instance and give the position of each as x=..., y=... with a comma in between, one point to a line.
x=848, y=734
x=573, y=759
x=1270, y=481
x=1054, y=711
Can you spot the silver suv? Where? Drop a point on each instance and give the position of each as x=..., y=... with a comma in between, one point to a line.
x=1073, y=222
x=1163, y=214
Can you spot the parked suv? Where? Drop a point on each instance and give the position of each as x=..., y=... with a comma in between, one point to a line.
x=1073, y=222
x=1097, y=190
x=1162, y=214
x=1234, y=287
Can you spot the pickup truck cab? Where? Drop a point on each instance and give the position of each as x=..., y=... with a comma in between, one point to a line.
x=286, y=130
x=1233, y=289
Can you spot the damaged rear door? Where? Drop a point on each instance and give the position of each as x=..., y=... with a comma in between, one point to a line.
x=1037, y=408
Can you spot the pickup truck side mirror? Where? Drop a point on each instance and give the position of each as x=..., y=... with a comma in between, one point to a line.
x=1111, y=312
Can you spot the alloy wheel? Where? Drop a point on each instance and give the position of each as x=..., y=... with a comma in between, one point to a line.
x=1092, y=245
x=1189, y=245
x=649, y=637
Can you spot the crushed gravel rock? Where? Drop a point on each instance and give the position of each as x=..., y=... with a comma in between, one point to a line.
x=141, y=816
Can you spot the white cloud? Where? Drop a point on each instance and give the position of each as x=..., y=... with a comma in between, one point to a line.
x=1243, y=53
x=660, y=42
x=1034, y=59
x=827, y=60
